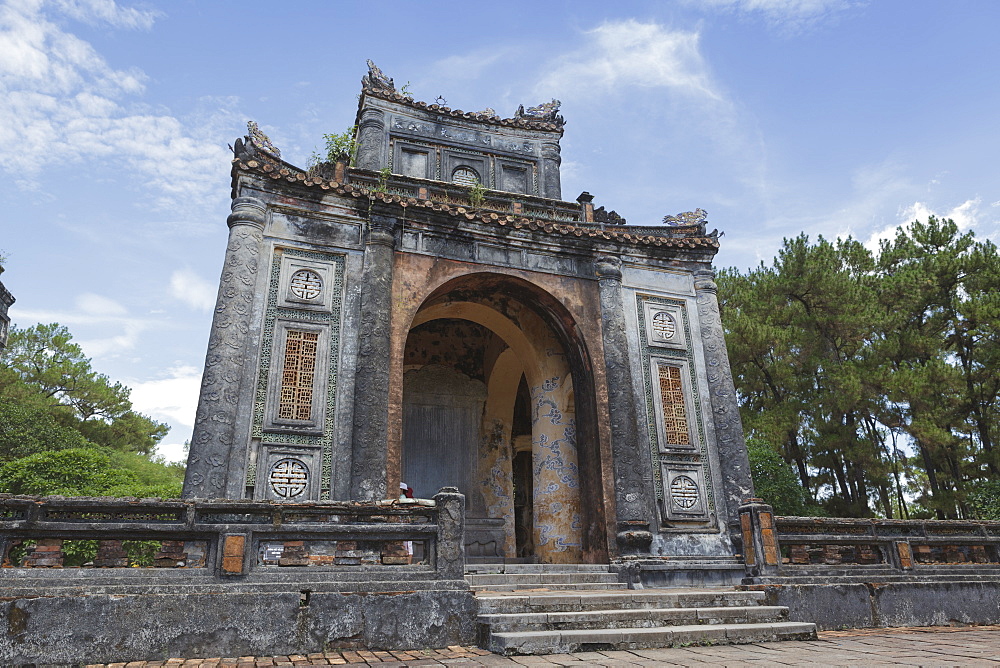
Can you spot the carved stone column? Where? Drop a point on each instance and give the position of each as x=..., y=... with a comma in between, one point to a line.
x=733, y=462
x=216, y=456
x=371, y=139
x=551, y=159
x=633, y=478
x=371, y=380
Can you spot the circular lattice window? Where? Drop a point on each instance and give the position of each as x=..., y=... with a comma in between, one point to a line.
x=684, y=492
x=664, y=326
x=306, y=284
x=288, y=478
x=465, y=176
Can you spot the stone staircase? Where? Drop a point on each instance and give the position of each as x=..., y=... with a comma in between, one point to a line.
x=541, y=609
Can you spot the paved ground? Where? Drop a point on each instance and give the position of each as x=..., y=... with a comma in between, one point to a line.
x=925, y=646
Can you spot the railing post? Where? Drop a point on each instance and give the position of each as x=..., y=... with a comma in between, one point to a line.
x=450, y=562
x=234, y=549
x=761, y=554
x=902, y=556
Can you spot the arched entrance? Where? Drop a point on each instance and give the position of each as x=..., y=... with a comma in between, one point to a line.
x=498, y=401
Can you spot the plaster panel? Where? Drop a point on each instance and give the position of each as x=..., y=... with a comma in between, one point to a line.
x=314, y=228
x=271, y=359
x=660, y=280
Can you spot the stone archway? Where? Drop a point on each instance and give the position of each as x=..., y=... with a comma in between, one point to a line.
x=470, y=347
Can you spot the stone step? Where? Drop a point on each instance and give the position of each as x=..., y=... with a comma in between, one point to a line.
x=542, y=586
x=534, y=568
x=577, y=601
x=636, y=618
x=584, y=640
x=538, y=578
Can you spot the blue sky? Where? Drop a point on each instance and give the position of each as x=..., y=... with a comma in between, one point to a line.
x=832, y=117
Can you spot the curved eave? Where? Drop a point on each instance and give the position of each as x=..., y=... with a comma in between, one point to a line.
x=283, y=172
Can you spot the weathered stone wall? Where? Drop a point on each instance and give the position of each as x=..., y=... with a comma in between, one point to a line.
x=86, y=628
x=877, y=604
x=342, y=576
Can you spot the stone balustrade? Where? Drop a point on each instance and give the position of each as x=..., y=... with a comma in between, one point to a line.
x=776, y=545
x=412, y=539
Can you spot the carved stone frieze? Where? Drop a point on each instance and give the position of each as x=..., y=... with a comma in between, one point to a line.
x=468, y=137
x=212, y=444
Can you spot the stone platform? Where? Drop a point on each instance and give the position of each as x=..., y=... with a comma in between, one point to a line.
x=925, y=646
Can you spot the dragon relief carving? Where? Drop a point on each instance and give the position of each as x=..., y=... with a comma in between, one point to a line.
x=696, y=217
x=376, y=80
x=546, y=111
x=260, y=141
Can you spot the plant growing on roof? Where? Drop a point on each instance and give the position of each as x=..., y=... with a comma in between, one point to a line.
x=383, y=181
x=340, y=146
x=477, y=194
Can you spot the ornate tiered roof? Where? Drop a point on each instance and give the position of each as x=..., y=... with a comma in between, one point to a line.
x=691, y=235
x=256, y=154
x=544, y=117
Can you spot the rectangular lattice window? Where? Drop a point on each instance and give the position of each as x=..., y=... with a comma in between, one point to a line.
x=298, y=375
x=675, y=423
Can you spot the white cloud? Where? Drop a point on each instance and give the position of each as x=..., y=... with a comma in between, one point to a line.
x=190, y=288
x=97, y=305
x=107, y=11
x=172, y=399
x=467, y=66
x=62, y=102
x=94, y=313
x=630, y=53
x=965, y=215
x=875, y=191
x=789, y=14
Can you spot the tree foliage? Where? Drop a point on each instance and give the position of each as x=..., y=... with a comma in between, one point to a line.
x=66, y=429
x=775, y=482
x=849, y=361
x=43, y=368
x=84, y=472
